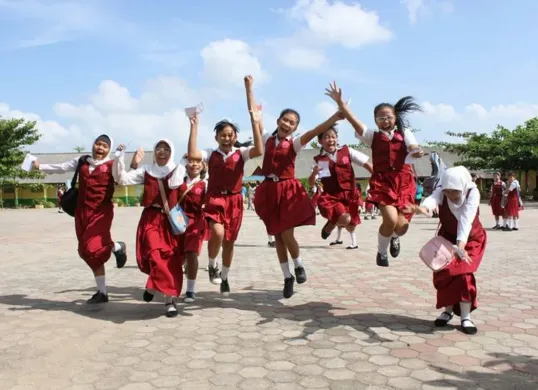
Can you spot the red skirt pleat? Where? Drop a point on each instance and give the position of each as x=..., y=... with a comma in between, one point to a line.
x=226, y=210
x=332, y=206
x=92, y=227
x=393, y=188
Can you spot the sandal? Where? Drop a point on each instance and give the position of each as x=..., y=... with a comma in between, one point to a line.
x=441, y=321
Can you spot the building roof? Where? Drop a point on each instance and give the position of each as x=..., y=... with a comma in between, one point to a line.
x=303, y=164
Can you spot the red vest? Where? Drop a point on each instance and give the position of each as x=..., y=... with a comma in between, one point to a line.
x=449, y=223
x=389, y=154
x=152, y=195
x=279, y=160
x=342, y=174
x=96, y=188
x=193, y=201
x=497, y=189
x=225, y=175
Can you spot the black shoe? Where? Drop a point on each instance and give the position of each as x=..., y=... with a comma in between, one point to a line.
x=515, y=229
x=440, y=322
x=288, y=287
x=382, y=260
x=324, y=233
x=353, y=247
x=300, y=274
x=395, y=246
x=97, y=298
x=506, y=229
x=374, y=217
x=366, y=218
x=190, y=297
x=336, y=242
x=121, y=255
x=496, y=227
x=470, y=327
x=214, y=275
x=225, y=288
x=271, y=244
x=170, y=310
x=148, y=297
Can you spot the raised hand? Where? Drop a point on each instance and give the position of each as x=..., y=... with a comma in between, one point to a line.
x=316, y=169
x=193, y=120
x=418, y=153
x=335, y=93
x=120, y=148
x=249, y=80
x=138, y=156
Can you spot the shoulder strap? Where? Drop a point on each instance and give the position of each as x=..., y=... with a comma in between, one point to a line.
x=81, y=161
x=184, y=194
x=166, y=207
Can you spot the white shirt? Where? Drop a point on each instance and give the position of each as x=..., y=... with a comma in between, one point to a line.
x=514, y=185
x=296, y=141
x=245, y=153
x=465, y=214
x=68, y=166
x=368, y=136
x=136, y=176
x=357, y=157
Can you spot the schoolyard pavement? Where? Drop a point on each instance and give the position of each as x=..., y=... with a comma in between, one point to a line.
x=351, y=326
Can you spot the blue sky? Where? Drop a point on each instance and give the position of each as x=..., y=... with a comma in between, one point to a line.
x=129, y=68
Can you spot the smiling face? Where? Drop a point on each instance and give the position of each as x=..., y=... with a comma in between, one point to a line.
x=287, y=124
x=329, y=141
x=385, y=118
x=226, y=138
x=194, y=167
x=100, y=150
x=496, y=177
x=162, y=153
x=453, y=195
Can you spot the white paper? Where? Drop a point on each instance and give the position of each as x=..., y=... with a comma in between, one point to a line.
x=196, y=110
x=410, y=159
x=325, y=171
x=28, y=162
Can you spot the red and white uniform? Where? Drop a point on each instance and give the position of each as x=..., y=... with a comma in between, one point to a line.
x=340, y=194
x=393, y=181
x=513, y=200
x=281, y=201
x=457, y=283
x=192, y=205
x=497, y=190
x=224, y=200
x=94, y=212
x=316, y=193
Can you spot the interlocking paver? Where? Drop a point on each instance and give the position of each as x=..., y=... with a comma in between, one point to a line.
x=352, y=325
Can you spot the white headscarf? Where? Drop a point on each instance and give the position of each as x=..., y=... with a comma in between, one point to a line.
x=157, y=171
x=95, y=163
x=457, y=178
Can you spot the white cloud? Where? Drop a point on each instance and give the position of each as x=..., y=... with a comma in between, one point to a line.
x=419, y=8
x=226, y=62
x=414, y=8
x=443, y=112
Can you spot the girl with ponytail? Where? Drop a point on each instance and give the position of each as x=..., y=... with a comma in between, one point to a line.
x=392, y=184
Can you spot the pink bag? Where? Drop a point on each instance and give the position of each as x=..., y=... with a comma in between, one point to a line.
x=437, y=254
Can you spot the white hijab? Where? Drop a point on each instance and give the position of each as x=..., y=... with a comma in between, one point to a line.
x=157, y=171
x=457, y=178
x=96, y=163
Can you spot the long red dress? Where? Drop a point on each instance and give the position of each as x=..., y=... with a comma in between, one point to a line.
x=224, y=200
x=282, y=203
x=94, y=214
x=157, y=251
x=496, y=198
x=193, y=238
x=393, y=181
x=511, y=209
x=457, y=283
x=340, y=195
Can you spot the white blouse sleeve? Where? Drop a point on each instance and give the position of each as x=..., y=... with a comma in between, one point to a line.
x=124, y=178
x=245, y=152
x=468, y=214
x=434, y=200
x=205, y=154
x=358, y=157
x=178, y=177
x=513, y=186
x=410, y=138
x=68, y=166
x=367, y=137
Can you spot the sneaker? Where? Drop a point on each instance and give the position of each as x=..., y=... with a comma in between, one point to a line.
x=121, y=255
x=288, y=287
x=382, y=260
x=300, y=274
x=214, y=275
x=336, y=242
x=394, y=246
x=97, y=298
x=190, y=297
x=225, y=288
x=170, y=310
x=147, y=296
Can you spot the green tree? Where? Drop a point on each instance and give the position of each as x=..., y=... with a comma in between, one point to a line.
x=503, y=149
x=79, y=149
x=15, y=134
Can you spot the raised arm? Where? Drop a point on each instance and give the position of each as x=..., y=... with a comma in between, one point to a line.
x=369, y=167
x=335, y=94
x=429, y=205
x=192, y=150
x=323, y=127
x=68, y=166
x=255, y=119
x=122, y=177
x=137, y=158
x=313, y=176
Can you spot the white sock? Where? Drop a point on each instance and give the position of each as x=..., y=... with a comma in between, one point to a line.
x=465, y=308
x=510, y=222
x=212, y=262
x=497, y=221
x=339, y=234
x=516, y=223
x=285, y=270
x=353, y=238
x=298, y=262
x=444, y=316
x=224, y=273
x=117, y=247
x=449, y=309
x=270, y=238
x=501, y=222
x=383, y=244
x=190, y=285
x=168, y=299
x=101, y=284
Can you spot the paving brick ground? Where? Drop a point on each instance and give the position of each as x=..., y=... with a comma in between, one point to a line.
x=351, y=326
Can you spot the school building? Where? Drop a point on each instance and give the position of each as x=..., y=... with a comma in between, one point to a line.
x=43, y=192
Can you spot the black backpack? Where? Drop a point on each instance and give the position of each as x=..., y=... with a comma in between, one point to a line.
x=68, y=202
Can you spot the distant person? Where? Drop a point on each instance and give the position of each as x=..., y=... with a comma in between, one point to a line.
x=60, y=193
x=419, y=192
